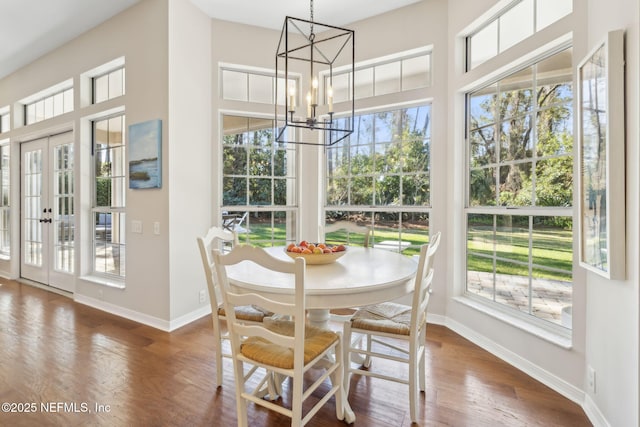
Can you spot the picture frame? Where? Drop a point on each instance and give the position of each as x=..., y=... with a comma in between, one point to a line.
x=145, y=155
x=602, y=158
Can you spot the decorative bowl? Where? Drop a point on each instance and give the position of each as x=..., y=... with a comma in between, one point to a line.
x=317, y=259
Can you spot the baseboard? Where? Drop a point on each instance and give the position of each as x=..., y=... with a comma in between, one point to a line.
x=593, y=413
x=189, y=317
x=437, y=319
x=566, y=389
x=136, y=316
x=145, y=319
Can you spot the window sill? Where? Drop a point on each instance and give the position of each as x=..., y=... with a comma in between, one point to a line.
x=556, y=335
x=104, y=281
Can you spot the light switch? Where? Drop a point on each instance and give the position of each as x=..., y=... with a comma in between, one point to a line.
x=136, y=227
x=156, y=228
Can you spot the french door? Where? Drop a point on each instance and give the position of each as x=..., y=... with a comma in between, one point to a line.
x=47, y=214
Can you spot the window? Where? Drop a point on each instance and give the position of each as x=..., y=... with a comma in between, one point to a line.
x=64, y=208
x=108, y=212
x=108, y=85
x=5, y=119
x=49, y=106
x=241, y=84
x=5, y=229
x=258, y=177
x=521, y=19
x=520, y=189
x=379, y=176
x=406, y=71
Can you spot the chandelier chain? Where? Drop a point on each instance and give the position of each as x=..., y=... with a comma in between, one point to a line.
x=311, y=9
x=311, y=14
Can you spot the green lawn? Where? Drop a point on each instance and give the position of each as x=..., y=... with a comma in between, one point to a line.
x=553, y=248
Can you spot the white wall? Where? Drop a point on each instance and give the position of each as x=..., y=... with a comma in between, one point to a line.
x=189, y=205
x=613, y=305
x=140, y=33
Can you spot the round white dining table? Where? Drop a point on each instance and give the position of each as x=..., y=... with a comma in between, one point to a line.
x=360, y=277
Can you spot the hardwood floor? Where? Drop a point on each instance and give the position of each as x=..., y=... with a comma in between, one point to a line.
x=72, y=365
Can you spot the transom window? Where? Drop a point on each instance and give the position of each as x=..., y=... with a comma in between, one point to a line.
x=521, y=19
x=108, y=85
x=49, y=106
x=404, y=72
x=242, y=84
x=5, y=120
x=520, y=189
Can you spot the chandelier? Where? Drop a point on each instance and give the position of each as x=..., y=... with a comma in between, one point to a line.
x=308, y=54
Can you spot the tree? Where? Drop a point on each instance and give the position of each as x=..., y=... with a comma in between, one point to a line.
x=533, y=164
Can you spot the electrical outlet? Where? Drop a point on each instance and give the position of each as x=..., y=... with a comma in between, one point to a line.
x=202, y=296
x=591, y=379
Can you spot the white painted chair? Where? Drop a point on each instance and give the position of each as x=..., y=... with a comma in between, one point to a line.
x=235, y=223
x=288, y=348
x=216, y=238
x=349, y=227
x=381, y=322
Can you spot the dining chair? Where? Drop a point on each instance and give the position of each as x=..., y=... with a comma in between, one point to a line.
x=235, y=223
x=218, y=238
x=349, y=227
x=384, y=323
x=284, y=345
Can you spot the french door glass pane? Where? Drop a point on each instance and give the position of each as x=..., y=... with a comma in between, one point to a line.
x=63, y=215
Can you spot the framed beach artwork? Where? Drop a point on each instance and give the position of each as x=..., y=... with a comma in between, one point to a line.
x=145, y=154
x=602, y=160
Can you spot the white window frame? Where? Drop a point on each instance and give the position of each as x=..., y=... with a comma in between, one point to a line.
x=108, y=75
x=5, y=119
x=260, y=73
x=372, y=211
x=549, y=330
x=496, y=15
x=371, y=65
x=45, y=99
x=241, y=209
x=380, y=103
x=118, y=279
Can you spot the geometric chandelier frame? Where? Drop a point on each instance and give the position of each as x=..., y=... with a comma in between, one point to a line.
x=314, y=50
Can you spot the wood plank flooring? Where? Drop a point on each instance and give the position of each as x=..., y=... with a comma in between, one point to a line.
x=72, y=365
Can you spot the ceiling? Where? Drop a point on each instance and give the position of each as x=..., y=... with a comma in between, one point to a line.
x=31, y=28
x=271, y=13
